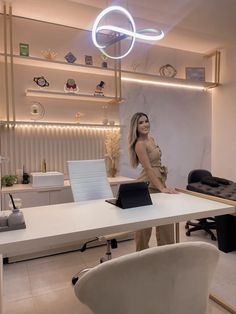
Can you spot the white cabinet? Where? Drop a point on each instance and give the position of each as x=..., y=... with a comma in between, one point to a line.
x=61, y=196
x=29, y=198
x=32, y=197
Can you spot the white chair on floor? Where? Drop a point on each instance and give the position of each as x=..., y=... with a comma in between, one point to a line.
x=171, y=279
x=88, y=180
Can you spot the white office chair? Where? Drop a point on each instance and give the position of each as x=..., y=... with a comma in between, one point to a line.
x=171, y=279
x=89, y=181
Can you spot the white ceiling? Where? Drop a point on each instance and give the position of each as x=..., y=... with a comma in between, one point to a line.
x=195, y=25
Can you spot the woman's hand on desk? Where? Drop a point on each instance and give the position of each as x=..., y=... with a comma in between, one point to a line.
x=168, y=190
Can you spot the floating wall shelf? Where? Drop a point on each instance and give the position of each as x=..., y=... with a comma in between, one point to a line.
x=150, y=79
x=60, y=65
x=63, y=95
x=127, y=76
x=48, y=124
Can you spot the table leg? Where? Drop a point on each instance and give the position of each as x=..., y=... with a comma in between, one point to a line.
x=1, y=285
x=177, y=232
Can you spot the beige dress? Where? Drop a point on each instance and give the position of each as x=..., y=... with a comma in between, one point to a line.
x=164, y=234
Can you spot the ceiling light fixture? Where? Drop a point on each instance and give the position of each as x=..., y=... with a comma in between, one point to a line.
x=122, y=33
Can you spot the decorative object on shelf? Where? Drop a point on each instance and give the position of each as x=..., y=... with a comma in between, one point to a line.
x=105, y=111
x=49, y=54
x=24, y=49
x=78, y=115
x=25, y=178
x=135, y=66
x=119, y=33
x=44, y=166
x=88, y=60
x=37, y=111
x=70, y=58
x=9, y=180
x=195, y=74
x=41, y=81
x=71, y=86
x=167, y=70
x=19, y=174
x=112, y=144
x=112, y=122
x=99, y=89
x=104, y=62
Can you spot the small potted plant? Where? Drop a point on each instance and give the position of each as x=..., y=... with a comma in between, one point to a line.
x=9, y=180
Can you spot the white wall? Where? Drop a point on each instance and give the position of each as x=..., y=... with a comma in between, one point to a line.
x=180, y=123
x=224, y=118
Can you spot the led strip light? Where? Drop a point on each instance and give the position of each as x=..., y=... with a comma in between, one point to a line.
x=149, y=82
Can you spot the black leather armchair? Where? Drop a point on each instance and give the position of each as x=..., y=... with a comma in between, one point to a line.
x=208, y=223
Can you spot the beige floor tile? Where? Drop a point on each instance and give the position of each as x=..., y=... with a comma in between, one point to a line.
x=59, y=302
x=55, y=262
x=92, y=256
x=48, y=280
x=16, y=288
x=24, y=306
x=15, y=270
x=53, y=273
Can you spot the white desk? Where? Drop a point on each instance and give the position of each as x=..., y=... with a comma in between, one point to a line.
x=63, y=223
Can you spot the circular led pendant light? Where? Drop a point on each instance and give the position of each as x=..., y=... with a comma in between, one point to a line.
x=157, y=34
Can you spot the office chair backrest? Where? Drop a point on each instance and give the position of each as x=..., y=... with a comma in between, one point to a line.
x=171, y=279
x=197, y=174
x=88, y=180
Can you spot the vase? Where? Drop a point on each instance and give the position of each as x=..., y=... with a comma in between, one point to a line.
x=112, y=169
x=112, y=172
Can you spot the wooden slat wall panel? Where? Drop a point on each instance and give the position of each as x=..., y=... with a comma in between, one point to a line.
x=29, y=145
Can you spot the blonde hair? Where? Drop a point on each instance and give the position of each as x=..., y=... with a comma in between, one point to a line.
x=133, y=137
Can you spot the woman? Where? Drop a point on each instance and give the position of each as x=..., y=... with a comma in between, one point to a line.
x=143, y=150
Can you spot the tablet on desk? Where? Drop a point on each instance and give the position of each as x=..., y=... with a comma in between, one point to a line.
x=133, y=194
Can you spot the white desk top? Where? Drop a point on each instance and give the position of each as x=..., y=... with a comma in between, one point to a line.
x=64, y=223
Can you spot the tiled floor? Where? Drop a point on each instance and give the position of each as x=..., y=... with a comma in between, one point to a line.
x=43, y=286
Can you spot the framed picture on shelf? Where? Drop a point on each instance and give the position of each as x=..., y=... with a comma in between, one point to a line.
x=24, y=49
x=195, y=74
x=88, y=60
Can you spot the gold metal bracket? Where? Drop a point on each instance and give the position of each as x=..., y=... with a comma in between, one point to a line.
x=216, y=55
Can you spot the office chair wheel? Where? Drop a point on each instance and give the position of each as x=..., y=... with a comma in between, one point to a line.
x=186, y=226
x=102, y=260
x=213, y=238
x=74, y=280
x=188, y=233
